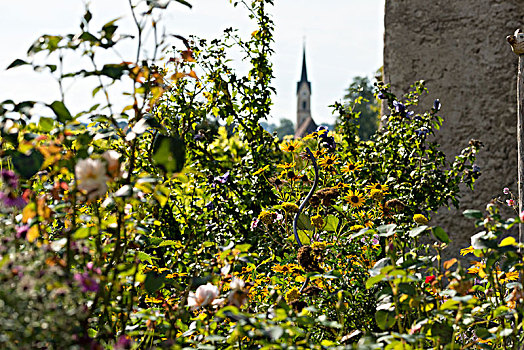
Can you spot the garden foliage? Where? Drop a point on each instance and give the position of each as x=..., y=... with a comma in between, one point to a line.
x=177, y=221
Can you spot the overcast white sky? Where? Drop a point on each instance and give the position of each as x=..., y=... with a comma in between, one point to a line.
x=344, y=38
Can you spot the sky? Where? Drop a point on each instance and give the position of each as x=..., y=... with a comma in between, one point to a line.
x=343, y=38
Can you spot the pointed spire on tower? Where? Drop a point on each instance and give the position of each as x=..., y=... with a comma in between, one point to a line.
x=303, y=77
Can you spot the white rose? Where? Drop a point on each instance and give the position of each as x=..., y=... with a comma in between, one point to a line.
x=91, y=177
x=204, y=295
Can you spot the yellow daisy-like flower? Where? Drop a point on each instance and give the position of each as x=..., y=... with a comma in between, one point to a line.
x=467, y=250
x=317, y=221
x=319, y=153
x=420, y=219
x=290, y=146
x=287, y=165
x=261, y=170
x=292, y=295
x=351, y=167
x=355, y=199
x=289, y=207
x=287, y=268
x=329, y=161
x=510, y=276
x=377, y=186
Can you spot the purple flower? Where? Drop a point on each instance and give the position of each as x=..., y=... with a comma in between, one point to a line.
x=475, y=168
x=21, y=231
x=399, y=107
x=375, y=240
x=381, y=95
x=10, y=178
x=87, y=283
x=222, y=179
x=10, y=200
x=437, y=105
x=422, y=131
x=505, y=190
x=409, y=115
x=124, y=342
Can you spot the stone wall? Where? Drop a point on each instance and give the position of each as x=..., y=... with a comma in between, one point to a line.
x=458, y=47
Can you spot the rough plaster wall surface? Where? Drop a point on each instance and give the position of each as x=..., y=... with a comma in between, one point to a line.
x=458, y=47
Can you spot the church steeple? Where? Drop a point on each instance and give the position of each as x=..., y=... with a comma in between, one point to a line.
x=303, y=77
x=305, y=123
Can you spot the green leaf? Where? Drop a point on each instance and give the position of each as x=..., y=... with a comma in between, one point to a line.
x=153, y=282
x=304, y=223
x=385, y=319
x=146, y=257
x=82, y=232
x=169, y=153
x=331, y=223
x=61, y=111
x=472, y=214
x=27, y=165
x=387, y=230
x=374, y=280
x=440, y=234
x=417, y=231
x=16, y=63
x=46, y=124
x=114, y=71
x=303, y=235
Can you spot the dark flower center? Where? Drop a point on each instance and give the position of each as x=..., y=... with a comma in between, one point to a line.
x=355, y=199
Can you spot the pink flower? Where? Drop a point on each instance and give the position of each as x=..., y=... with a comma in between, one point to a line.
x=522, y=216
x=204, y=295
x=505, y=190
x=510, y=202
x=87, y=283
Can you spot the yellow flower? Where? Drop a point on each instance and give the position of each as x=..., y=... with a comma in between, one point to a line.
x=287, y=165
x=292, y=295
x=355, y=199
x=289, y=207
x=467, y=250
x=290, y=146
x=317, y=221
x=261, y=170
x=356, y=227
x=377, y=186
x=510, y=276
x=420, y=219
x=288, y=268
x=351, y=167
x=377, y=195
x=329, y=161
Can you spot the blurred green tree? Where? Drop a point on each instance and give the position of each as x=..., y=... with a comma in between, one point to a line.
x=367, y=106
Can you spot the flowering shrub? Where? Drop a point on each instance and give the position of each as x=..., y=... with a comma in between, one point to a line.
x=177, y=221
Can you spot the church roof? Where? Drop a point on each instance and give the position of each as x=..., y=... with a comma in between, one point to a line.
x=303, y=77
x=307, y=127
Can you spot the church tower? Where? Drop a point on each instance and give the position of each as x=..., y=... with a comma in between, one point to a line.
x=305, y=123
